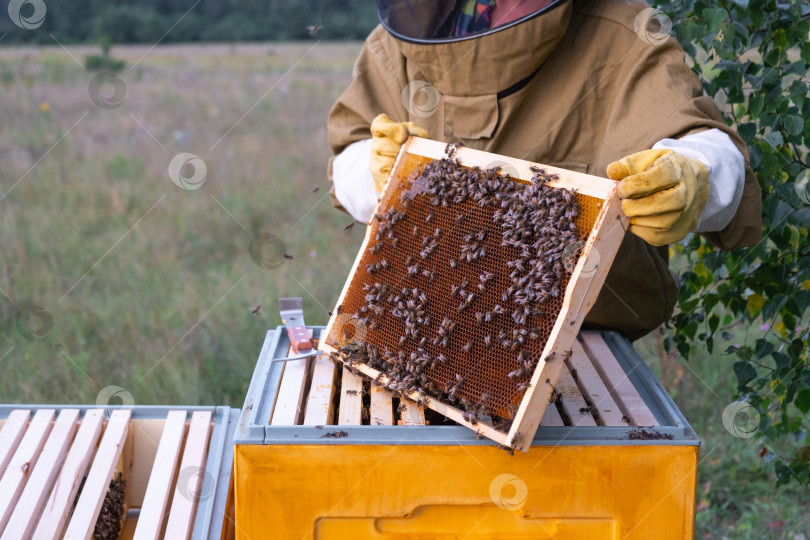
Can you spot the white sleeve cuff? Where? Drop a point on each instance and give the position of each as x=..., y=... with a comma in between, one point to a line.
x=354, y=185
x=726, y=167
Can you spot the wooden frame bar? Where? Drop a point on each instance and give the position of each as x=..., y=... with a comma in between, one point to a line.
x=351, y=400
x=290, y=401
x=412, y=414
x=161, y=478
x=28, y=508
x=319, y=410
x=620, y=387
x=572, y=401
x=190, y=480
x=585, y=282
x=381, y=411
x=20, y=466
x=552, y=418
x=11, y=435
x=593, y=388
x=88, y=507
x=56, y=510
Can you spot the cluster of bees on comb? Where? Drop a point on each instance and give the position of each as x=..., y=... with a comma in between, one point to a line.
x=460, y=285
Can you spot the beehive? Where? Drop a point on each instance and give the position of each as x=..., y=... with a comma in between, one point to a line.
x=321, y=453
x=169, y=471
x=418, y=256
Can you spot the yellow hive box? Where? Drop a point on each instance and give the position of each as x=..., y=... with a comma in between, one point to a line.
x=320, y=454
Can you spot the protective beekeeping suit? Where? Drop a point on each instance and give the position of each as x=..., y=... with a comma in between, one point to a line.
x=583, y=85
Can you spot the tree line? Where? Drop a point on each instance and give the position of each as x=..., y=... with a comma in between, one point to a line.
x=147, y=21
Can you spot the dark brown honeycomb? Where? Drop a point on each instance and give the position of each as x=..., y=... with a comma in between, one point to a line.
x=426, y=248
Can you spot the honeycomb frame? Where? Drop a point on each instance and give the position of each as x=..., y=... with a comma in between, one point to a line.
x=600, y=245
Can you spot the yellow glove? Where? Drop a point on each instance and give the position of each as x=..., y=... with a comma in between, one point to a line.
x=663, y=194
x=387, y=137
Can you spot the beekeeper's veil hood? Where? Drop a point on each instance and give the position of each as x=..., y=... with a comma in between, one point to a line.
x=472, y=71
x=444, y=21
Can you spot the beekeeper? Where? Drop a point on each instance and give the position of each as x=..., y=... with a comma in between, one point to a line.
x=590, y=86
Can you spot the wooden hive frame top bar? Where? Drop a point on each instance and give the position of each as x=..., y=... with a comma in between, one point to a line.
x=580, y=294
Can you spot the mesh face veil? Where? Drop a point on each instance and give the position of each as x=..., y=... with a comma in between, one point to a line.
x=432, y=21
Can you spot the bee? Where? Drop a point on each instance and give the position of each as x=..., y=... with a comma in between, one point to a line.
x=459, y=218
x=288, y=256
x=488, y=341
x=453, y=263
x=430, y=217
x=349, y=226
x=468, y=347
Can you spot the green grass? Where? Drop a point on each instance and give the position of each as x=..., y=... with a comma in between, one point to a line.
x=151, y=287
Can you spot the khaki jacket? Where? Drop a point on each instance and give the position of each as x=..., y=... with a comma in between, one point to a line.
x=575, y=88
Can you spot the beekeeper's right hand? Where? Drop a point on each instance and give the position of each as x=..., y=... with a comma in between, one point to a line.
x=387, y=136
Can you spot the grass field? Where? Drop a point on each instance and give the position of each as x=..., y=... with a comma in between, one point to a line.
x=151, y=288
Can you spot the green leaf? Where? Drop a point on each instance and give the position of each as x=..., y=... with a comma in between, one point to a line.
x=794, y=124
x=714, y=18
x=802, y=400
x=745, y=373
x=748, y=131
x=775, y=139
x=755, y=105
